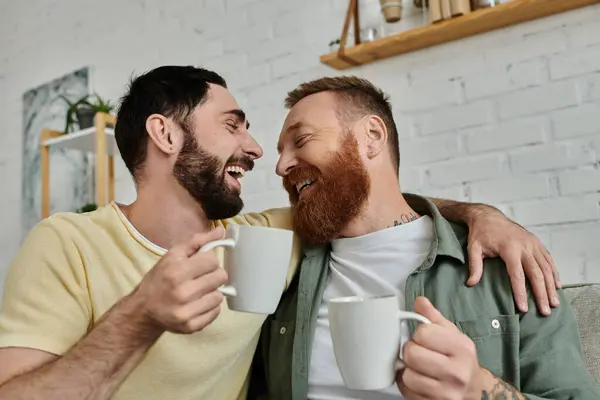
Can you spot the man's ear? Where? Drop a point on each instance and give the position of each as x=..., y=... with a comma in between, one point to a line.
x=376, y=135
x=162, y=133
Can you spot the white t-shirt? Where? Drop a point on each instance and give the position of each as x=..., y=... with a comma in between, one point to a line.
x=374, y=264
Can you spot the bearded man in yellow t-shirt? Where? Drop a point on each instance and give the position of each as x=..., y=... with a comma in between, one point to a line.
x=118, y=303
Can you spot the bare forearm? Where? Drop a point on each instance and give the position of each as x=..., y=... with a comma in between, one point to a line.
x=495, y=388
x=460, y=212
x=95, y=367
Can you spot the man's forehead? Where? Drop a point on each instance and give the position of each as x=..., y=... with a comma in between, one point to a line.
x=220, y=97
x=311, y=112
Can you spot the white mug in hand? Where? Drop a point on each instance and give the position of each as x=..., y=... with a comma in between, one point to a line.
x=256, y=259
x=366, y=339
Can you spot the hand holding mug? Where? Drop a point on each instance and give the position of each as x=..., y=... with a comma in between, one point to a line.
x=440, y=361
x=180, y=293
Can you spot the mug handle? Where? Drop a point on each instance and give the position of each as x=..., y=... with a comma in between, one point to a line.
x=405, y=315
x=227, y=290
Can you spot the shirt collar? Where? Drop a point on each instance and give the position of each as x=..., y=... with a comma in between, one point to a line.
x=445, y=243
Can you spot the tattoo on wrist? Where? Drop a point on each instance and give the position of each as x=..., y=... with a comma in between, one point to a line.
x=501, y=391
x=405, y=219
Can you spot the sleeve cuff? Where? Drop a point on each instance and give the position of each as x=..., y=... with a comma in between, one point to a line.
x=36, y=342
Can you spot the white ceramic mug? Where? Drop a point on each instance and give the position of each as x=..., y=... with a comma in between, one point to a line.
x=366, y=339
x=256, y=259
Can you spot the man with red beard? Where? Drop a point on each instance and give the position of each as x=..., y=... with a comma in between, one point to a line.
x=361, y=236
x=118, y=303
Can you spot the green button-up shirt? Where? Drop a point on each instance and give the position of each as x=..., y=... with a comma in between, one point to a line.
x=540, y=356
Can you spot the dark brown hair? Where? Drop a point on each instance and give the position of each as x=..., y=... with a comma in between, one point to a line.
x=173, y=91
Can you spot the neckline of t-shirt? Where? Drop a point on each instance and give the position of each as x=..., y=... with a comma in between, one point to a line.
x=153, y=247
x=374, y=239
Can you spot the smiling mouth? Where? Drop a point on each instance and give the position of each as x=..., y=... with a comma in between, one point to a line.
x=236, y=172
x=305, y=184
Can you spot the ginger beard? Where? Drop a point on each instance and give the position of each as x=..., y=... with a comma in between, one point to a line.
x=337, y=196
x=203, y=176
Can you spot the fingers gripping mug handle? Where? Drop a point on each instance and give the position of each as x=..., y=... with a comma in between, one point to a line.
x=406, y=315
x=227, y=290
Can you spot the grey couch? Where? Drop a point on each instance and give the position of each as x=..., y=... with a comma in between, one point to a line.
x=585, y=301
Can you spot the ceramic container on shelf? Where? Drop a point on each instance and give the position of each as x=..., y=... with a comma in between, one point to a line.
x=440, y=10
x=460, y=7
x=477, y=4
x=391, y=9
x=368, y=35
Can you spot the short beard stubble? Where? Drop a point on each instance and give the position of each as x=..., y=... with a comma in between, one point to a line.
x=203, y=176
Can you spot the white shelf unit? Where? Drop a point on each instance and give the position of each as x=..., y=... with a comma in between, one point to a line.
x=84, y=140
x=100, y=140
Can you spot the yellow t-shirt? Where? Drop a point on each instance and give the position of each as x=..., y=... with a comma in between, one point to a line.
x=72, y=268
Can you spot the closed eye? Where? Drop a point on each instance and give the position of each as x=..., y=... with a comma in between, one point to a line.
x=232, y=126
x=301, y=141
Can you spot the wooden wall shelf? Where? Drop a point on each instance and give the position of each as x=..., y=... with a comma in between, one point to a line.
x=99, y=139
x=476, y=22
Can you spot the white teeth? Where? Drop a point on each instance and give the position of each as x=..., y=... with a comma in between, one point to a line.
x=300, y=186
x=235, y=168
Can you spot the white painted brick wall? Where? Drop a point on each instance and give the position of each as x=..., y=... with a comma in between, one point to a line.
x=510, y=134
x=579, y=181
x=511, y=118
x=590, y=88
x=575, y=63
x=556, y=211
x=549, y=156
x=444, y=119
x=577, y=121
x=465, y=169
x=552, y=96
x=513, y=188
x=506, y=78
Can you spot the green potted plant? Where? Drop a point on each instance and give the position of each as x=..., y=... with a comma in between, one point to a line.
x=87, y=208
x=334, y=45
x=71, y=112
x=84, y=110
x=100, y=105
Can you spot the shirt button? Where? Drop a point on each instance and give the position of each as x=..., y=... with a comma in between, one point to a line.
x=282, y=330
x=495, y=324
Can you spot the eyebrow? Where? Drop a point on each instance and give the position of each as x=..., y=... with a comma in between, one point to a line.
x=239, y=115
x=291, y=128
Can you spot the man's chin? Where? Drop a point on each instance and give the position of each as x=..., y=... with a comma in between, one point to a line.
x=224, y=209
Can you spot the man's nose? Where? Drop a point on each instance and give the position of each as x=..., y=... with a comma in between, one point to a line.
x=285, y=164
x=252, y=148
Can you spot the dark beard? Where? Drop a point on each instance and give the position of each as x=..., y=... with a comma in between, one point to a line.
x=203, y=176
x=337, y=196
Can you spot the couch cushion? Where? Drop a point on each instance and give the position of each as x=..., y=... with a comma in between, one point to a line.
x=585, y=301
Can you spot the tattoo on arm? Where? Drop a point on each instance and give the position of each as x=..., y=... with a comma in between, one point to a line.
x=405, y=219
x=501, y=391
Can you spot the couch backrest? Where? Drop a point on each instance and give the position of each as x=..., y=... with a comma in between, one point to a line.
x=585, y=301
